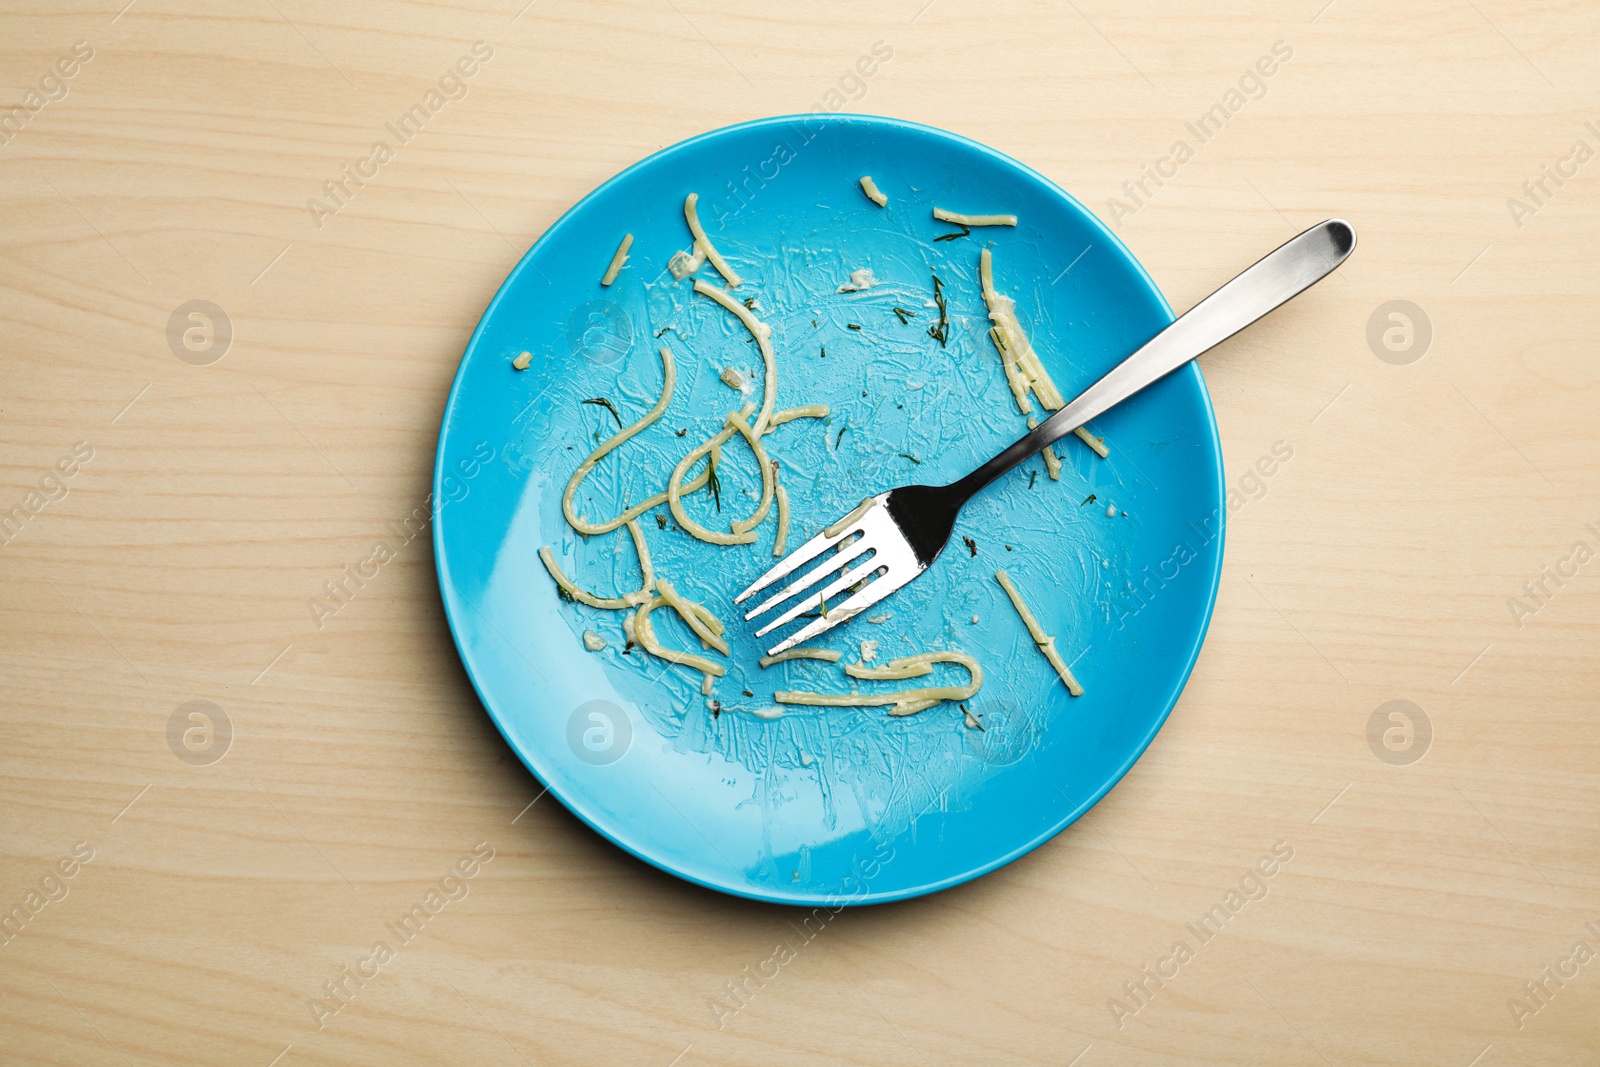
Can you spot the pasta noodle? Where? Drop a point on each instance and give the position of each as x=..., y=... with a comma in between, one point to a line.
x=768, y=477
x=618, y=260
x=645, y=635
x=1052, y=462
x=762, y=333
x=613, y=603
x=675, y=492
x=1003, y=313
x=783, y=521
x=973, y=220
x=692, y=614
x=888, y=673
x=583, y=526
x=827, y=654
x=703, y=244
x=903, y=702
x=1024, y=372
x=1096, y=443
x=874, y=194
x=844, y=523
x=1014, y=376
x=779, y=418
x=804, y=411
x=1046, y=643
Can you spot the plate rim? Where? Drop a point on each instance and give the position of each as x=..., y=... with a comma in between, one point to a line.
x=746, y=891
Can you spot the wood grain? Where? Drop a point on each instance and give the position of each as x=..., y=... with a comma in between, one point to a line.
x=1376, y=565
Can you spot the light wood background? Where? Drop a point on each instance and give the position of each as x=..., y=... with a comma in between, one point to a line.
x=1377, y=566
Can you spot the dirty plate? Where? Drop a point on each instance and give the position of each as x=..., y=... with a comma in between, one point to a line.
x=825, y=805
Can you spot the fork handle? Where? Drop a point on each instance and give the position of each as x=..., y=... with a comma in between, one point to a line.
x=1271, y=281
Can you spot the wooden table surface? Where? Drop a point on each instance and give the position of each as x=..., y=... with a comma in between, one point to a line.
x=177, y=488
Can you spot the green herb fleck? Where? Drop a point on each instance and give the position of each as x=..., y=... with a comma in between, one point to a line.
x=852, y=326
x=908, y=455
x=663, y=330
x=661, y=522
x=1086, y=500
x=1033, y=476
x=600, y=401
x=749, y=303
x=824, y=352
x=561, y=591
x=903, y=315
x=972, y=546
x=680, y=433
x=836, y=440
x=941, y=332
x=714, y=482
x=965, y=230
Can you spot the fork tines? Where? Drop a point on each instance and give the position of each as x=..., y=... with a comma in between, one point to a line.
x=881, y=556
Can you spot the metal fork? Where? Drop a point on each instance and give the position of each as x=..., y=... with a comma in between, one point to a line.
x=901, y=532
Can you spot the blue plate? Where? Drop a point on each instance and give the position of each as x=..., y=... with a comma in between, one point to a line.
x=826, y=806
